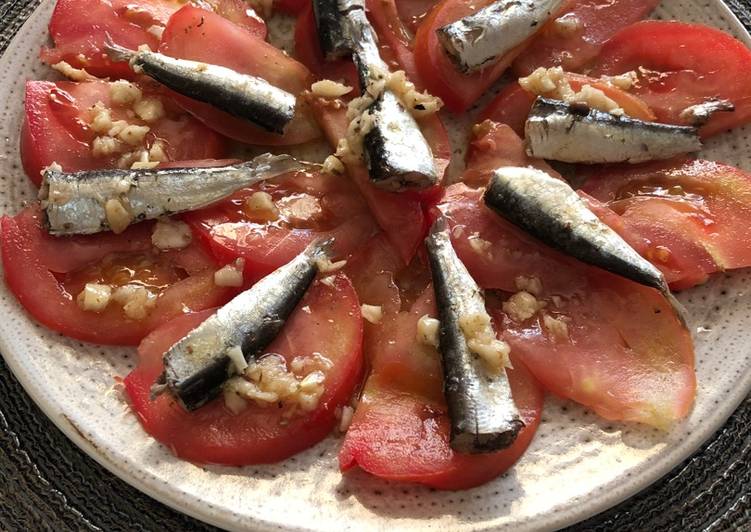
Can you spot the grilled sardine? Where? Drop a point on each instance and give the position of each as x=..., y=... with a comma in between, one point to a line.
x=483, y=415
x=101, y=200
x=241, y=95
x=196, y=367
x=575, y=133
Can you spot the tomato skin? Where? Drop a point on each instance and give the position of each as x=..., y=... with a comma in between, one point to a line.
x=400, y=429
x=437, y=72
x=513, y=103
x=127, y=23
x=213, y=434
x=55, y=129
x=684, y=65
x=601, y=19
x=199, y=35
x=30, y=263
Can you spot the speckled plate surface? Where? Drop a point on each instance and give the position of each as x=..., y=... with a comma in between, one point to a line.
x=577, y=465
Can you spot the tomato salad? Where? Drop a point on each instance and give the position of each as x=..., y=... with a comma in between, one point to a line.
x=418, y=305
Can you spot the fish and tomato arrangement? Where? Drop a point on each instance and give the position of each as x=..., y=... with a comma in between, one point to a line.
x=415, y=297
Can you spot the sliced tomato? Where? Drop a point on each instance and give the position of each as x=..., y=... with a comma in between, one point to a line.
x=394, y=38
x=200, y=35
x=308, y=52
x=47, y=284
x=436, y=70
x=290, y=7
x=623, y=353
x=680, y=65
x=79, y=29
x=400, y=215
x=412, y=13
x=573, y=49
x=309, y=206
x=330, y=325
x=56, y=128
x=400, y=430
x=513, y=103
x=687, y=217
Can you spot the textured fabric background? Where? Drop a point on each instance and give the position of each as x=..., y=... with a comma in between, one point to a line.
x=46, y=483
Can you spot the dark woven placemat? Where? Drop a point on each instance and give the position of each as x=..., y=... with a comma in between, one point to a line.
x=47, y=483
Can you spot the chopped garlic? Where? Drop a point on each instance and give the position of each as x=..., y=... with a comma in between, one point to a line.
x=418, y=103
x=75, y=74
x=328, y=281
x=171, y=234
x=324, y=265
x=329, y=89
x=149, y=109
x=233, y=401
x=522, y=306
x=118, y=216
x=428, y=330
x=533, y=285
x=124, y=93
x=544, y=81
x=332, y=165
x=133, y=134
x=552, y=83
x=595, y=99
x=557, y=328
x=105, y=147
x=117, y=127
x=144, y=165
x=231, y=274
x=101, y=121
x=372, y=313
x=567, y=25
x=346, y=418
x=137, y=300
x=237, y=358
x=94, y=297
x=622, y=81
x=481, y=340
x=157, y=153
x=261, y=206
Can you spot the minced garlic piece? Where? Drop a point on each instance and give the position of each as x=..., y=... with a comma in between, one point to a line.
x=557, y=328
x=260, y=206
x=149, y=109
x=118, y=216
x=117, y=127
x=345, y=418
x=157, y=153
x=101, y=120
x=522, y=306
x=533, y=285
x=372, y=313
x=596, y=99
x=124, y=93
x=568, y=25
x=622, y=81
x=417, y=103
x=231, y=274
x=332, y=165
x=544, y=81
x=105, y=147
x=94, y=297
x=75, y=74
x=329, y=89
x=428, y=330
x=237, y=358
x=552, y=83
x=137, y=300
x=482, y=341
x=171, y=234
x=133, y=134
x=324, y=265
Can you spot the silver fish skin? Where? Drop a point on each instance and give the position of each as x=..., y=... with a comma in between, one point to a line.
x=699, y=114
x=484, y=417
x=76, y=203
x=241, y=95
x=575, y=133
x=483, y=38
x=197, y=366
x=332, y=35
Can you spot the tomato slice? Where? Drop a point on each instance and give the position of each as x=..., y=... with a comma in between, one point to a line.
x=599, y=20
x=308, y=52
x=56, y=128
x=624, y=352
x=400, y=429
x=200, y=35
x=687, y=217
x=394, y=38
x=400, y=215
x=512, y=105
x=680, y=65
x=412, y=13
x=79, y=40
x=330, y=325
x=308, y=206
x=47, y=284
x=439, y=74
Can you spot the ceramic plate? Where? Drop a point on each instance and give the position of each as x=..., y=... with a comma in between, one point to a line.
x=577, y=465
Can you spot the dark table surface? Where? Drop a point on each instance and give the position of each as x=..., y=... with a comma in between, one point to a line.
x=47, y=483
